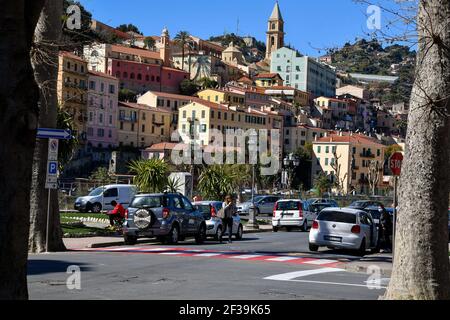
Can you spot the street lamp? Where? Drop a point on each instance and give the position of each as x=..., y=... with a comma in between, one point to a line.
x=291, y=162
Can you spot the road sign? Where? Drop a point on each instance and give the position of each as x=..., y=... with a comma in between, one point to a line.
x=53, y=145
x=395, y=163
x=44, y=133
x=52, y=175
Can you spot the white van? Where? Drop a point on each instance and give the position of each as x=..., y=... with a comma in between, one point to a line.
x=100, y=198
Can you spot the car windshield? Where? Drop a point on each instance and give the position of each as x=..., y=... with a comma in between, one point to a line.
x=358, y=204
x=258, y=199
x=288, y=205
x=96, y=192
x=336, y=216
x=205, y=209
x=148, y=202
x=319, y=207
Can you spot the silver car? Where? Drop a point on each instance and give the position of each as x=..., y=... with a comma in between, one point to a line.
x=346, y=228
x=214, y=225
x=263, y=204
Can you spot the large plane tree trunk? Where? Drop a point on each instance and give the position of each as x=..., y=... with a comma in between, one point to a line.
x=45, y=64
x=421, y=264
x=19, y=97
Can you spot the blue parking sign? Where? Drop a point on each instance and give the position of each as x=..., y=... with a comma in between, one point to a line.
x=53, y=167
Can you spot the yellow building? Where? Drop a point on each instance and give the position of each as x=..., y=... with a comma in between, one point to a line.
x=267, y=80
x=297, y=137
x=355, y=153
x=289, y=94
x=222, y=97
x=72, y=90
x=142, y=126
x=197, y=120
x=338, y=107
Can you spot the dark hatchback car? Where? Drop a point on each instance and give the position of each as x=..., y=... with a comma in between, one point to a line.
x=363, y=204
x=170, y=217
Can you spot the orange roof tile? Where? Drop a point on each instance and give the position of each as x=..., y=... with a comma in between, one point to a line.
x=101, y=74
x=143, y=107
x=352, y=139
x=136, y=52
x=71, y=56
x=267, y=75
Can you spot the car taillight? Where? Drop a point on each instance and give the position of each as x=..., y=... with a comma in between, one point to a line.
x=315, y=225
x=165, y=213
x=300, y=210
x=213, y=212
x=356, y=229
x=275, y=208
x=126, y=214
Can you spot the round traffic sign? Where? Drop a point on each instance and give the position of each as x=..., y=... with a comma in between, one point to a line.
x=395, y=163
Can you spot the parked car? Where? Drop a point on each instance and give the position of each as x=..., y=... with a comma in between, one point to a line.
x=100, y=198
x=323, y=201
x=318, y=207
x=292, y=214
x=375, y=212
x=263, y=204
x=214, y=225
x=170, y=217
x=363, y=204
x=344, y=229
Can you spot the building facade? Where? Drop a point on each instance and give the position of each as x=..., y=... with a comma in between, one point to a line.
x=72, y=90
x=304, y=73
x=103, y=99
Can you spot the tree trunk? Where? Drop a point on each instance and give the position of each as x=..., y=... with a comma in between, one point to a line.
x=18, y=122
x=421, y=266
x=45, y=63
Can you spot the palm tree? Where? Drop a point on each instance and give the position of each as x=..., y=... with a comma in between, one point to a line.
x=182, y=38
x=151, y=175
x=216, y=182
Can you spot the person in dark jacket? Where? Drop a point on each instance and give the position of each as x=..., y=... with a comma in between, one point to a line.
x=386, y=229
x=229, y=211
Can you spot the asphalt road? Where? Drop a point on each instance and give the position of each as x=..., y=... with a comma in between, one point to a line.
x=266, y=266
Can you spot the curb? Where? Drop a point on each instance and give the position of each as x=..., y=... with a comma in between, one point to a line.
x=364, y=269
x=121, y=243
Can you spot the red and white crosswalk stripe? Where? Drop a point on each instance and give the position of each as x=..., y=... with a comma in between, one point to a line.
x=231, y=255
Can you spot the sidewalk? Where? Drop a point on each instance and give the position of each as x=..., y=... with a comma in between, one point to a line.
x=102, y=242
x=383, y=261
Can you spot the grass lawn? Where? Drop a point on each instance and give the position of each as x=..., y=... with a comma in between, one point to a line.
x=84, y=215
x=79, y=231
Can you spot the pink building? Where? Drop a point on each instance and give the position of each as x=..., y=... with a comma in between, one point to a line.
x=102, y=110
x=141, y=77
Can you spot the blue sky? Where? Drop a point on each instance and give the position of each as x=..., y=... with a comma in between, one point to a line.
x=312, y=26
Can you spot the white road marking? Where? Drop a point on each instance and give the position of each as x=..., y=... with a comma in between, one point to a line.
x=123, y=249
x=320, y=262
x=340, y=284
x=208, y=255
x=153, y=250
x=298, y=274
x=171, y=253
x=248, y=256
x=283, y=259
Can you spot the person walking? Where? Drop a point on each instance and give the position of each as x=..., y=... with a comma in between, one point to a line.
x=387, y=230
x=229, y=211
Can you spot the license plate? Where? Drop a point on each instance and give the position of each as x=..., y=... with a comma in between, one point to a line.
x=333, y=239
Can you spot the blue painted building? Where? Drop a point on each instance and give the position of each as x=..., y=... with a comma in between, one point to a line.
x=304, y=73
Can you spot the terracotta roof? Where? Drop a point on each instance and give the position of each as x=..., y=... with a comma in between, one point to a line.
x=333, y=99
x=136, y=52
x=267, y=75
x=352, y=139
x=173, y=96
x=143, y=107
x=163, y=146
x=101, y=74
x=245, y=80
x=71, y=56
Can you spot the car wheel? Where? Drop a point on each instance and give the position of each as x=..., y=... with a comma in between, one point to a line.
x=96, y=208
x=218, y=235
x=240, y=232
x=305, y=226
x=275, y=229
x=174, y=235
x=201, y=235
x=130, y=240
x=362, y=248
x=313, y=247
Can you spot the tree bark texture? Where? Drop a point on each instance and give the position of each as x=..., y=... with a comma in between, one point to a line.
x=19, y=97
x=45, y=64
x=421, y=265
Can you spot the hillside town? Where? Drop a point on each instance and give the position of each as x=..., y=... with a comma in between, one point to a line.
x=127, y=99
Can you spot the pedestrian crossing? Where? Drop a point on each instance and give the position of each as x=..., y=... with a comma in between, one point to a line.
x=229, y=255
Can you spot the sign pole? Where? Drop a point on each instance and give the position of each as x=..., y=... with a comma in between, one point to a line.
x=48, y=221
x=394, y=216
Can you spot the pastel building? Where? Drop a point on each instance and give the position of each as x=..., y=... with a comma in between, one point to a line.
x=304, y=73
x=72, y=90
x=102, y=110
